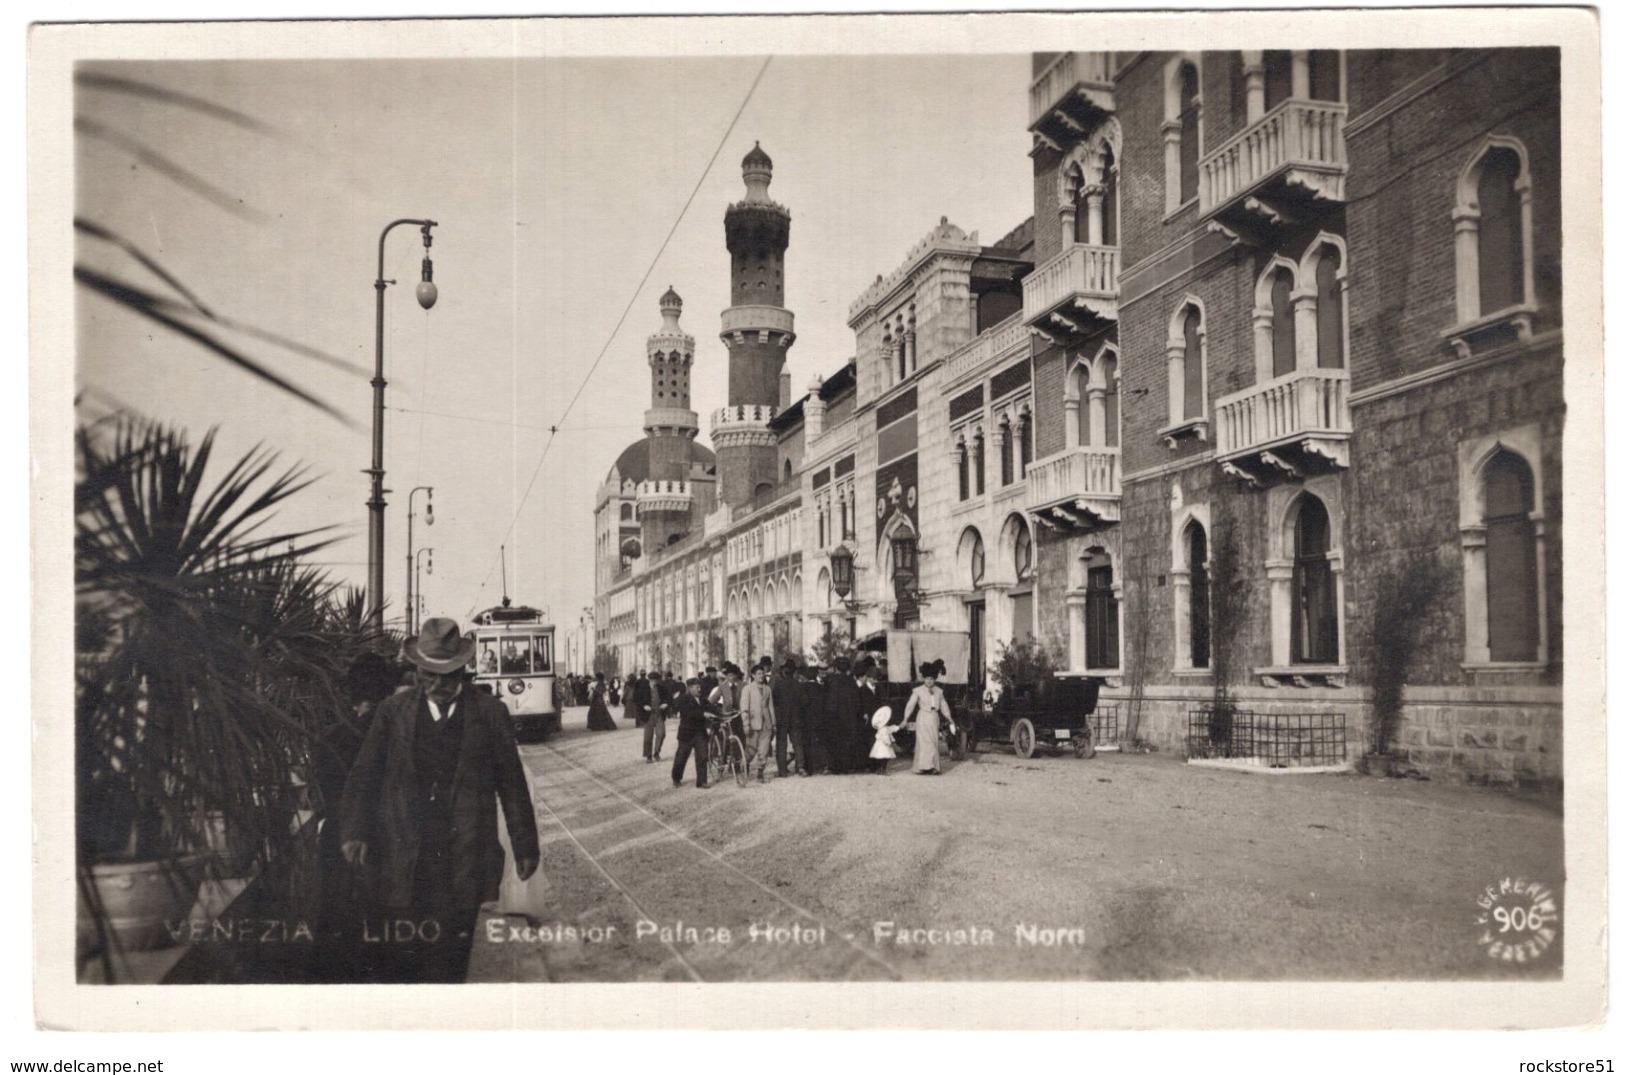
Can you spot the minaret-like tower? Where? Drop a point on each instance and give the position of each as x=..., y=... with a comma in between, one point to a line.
x=758, y=332
x=665, y=498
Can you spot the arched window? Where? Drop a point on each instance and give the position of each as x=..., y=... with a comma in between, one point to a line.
x=962, y=458
x=1283, y=337
x=1025, y=425
x=1200, y=610
x=1511, y=565
x=787, y=470
x=1100, y=613
x=1314, y=587
x=1494, y=224
x=1195, y=362
x=1329, y=308
x=1190, y=130
x=626, y=512
x=1500, y=232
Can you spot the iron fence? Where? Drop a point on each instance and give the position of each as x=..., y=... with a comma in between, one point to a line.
x=1104, y=726
x=1272, y=740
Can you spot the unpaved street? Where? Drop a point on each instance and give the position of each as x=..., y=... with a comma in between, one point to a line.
x=1122, y=867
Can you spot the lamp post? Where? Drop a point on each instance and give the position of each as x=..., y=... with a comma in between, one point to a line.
x=417, y=565
x=427, y=293
x=428, y=520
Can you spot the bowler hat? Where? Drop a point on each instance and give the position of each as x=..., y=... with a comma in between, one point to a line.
x=440, y=647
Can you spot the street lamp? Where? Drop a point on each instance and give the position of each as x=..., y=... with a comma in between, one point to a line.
x=417, y=565
x=427, y=294
x=428, y=520
x=841, y=571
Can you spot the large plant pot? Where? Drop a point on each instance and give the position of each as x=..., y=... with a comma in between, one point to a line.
x=142, y=902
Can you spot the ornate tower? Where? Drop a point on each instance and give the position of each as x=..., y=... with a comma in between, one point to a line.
x=665, y=497
x=758, y=332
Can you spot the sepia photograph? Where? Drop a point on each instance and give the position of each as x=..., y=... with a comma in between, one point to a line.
x=1074, y=505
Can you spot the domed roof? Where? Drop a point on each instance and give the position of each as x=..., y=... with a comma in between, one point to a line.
x=633, y=463
x=671, y=298
x=756, y=159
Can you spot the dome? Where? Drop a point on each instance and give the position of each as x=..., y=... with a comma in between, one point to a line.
x=671, y=298
x=632, y=465
x=756, y=160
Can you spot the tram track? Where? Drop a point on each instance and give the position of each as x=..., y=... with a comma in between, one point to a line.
x=680, y=893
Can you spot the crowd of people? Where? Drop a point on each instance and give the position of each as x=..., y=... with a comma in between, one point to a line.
x=798, y=718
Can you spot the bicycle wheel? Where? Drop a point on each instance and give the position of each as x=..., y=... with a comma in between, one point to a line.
x=736, y=760
x=715, y=762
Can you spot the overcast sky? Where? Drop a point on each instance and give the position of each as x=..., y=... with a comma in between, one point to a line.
x=555, y=183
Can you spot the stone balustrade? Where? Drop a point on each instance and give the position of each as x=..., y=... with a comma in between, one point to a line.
x=1070, y=70
x=1302, y=137
x=1078, y=272
x=1088, y=473
x=1304, y=404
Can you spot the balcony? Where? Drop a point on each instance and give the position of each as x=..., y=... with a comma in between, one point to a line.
x=743, y=424
x=992, y=346
x=1072, y=294
x=664, y=496
x=1289, y=427
x=1070, y=98
x=1078, y=490
x=1286, y=169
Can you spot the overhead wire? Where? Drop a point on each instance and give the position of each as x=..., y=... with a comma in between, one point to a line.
x=625, y=313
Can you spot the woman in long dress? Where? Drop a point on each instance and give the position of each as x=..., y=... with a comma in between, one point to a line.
x=598, y=718
x=929, y=707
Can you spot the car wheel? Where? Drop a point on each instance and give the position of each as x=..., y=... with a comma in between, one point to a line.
x=1024, y=737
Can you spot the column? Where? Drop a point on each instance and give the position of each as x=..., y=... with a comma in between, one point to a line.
x=1180, y=578
x=1094, y=200
x=911, y=353
x=1097, y=415
x=1466, y=221
x=1263, y=345
x=1279, y=573
x=1335, y=557
x=1176, y=381
x=1253, y=71
x=1170, y=163
x=998, y=451
x=1076, y=659
x=1074, y=430
x=1069, y=218
x=1300, y=75
x=1305, y=331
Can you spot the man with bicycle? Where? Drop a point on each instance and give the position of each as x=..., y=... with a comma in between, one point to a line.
x=691, y=735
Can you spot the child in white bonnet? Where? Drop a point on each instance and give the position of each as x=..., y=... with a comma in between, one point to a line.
x=885, y=749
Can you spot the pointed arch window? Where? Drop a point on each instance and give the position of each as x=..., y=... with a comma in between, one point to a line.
x=1100, y=614
x=962, y=458
x=1190, y=130
x=1329, y=308
x=1108, y=196
x=979, y=463
x=1007, y=454
x=1283, y=336
x=1195, y=362
x=1510, y=559
x=1494, y=226
x=1500, y=235
x=1314, y=586
x=1200, y=611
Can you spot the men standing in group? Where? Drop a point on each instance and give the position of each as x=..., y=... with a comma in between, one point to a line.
x=419, y=812
x=691, y=735
x=655, y=713
x=841, y=716
x=756, y=713
x=708, y=683
x=788, y=727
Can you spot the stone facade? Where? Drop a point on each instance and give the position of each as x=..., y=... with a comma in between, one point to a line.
x=1282, y=338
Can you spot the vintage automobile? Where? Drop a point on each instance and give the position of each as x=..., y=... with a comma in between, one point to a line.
x=900, y=653
x=1056, y=716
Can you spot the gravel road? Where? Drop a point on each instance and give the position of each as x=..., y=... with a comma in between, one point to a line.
x=1128, y=867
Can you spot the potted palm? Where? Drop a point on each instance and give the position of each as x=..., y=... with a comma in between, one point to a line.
x=203, y=664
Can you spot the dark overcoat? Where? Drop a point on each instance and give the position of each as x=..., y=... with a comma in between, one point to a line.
x=841, y=717
x=787, y=702
x=382, y=791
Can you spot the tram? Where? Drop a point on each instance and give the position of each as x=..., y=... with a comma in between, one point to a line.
x=513, y=658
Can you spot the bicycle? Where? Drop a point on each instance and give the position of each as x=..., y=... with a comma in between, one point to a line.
x=726, y=751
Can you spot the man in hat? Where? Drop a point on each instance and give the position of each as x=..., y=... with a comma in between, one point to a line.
x=813, y=735
x=691, y=737
x=725, y=699
x=419, y=813
x=788, y=729
x=756, y=711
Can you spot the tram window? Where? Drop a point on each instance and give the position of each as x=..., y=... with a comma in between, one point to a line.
x=544, y=660
x=488, y=658
x=515, y=661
